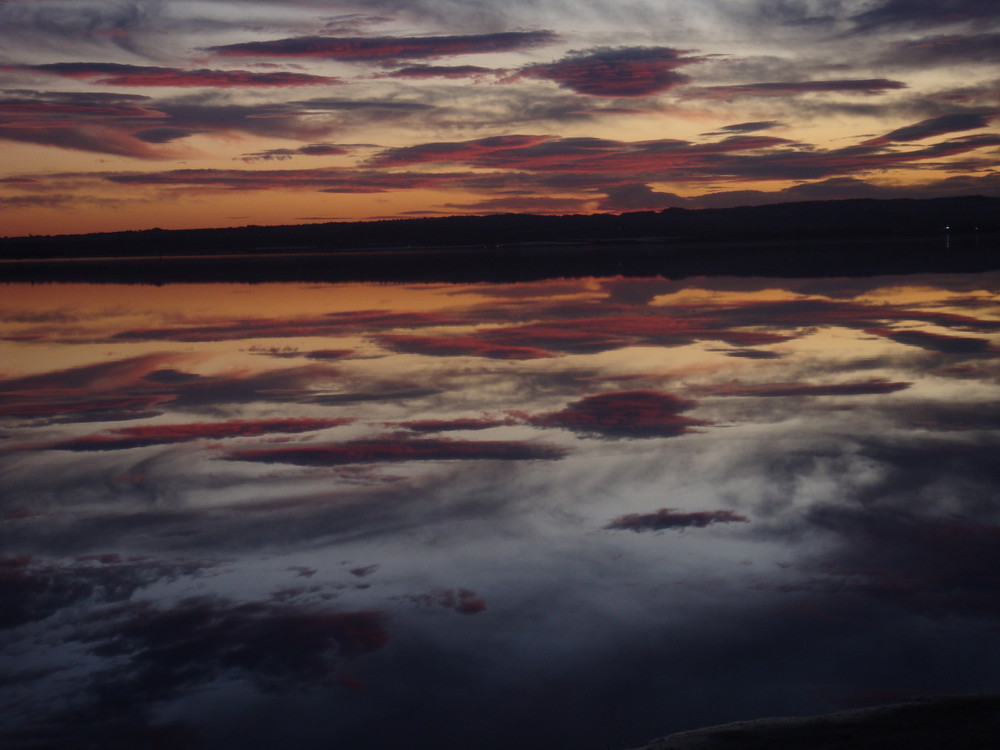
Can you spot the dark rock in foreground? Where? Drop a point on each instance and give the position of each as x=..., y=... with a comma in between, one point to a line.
x=958, y=722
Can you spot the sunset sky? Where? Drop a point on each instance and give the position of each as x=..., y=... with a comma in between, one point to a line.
x=132, y=114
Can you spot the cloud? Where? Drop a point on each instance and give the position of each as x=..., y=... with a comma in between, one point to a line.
x=617, y=72
x=144, y=386
x=133, y=125
x=560, y=160
x=842, y=313
x=867, y=86
x=624, y=414
x=748, y=127
x=35, y=589
x=457, y=346
x=116, y=74
x=444, y=71
x=327, y=180
x=935, y=342
x=874, y=386
x=80, y=121
x=447, y=425
x=157, y=652
x=463, y=601
x=924, y=14
x=527, y=168
x=669, y=518
x=397, y=450
x=937, y=567
x=162, y=135
x=571, y=335
x=166, y=434
x=386, y=49
x=953, y=49
x=324, y=325
x=281, y=154
x=455, y=152
x=935, y=126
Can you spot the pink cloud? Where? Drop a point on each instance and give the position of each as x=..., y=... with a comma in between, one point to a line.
x=620, y=72
x=624, y=414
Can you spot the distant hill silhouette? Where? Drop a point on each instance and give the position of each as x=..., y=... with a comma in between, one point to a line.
x=848, y=237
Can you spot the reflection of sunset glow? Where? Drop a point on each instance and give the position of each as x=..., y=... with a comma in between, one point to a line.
x=359, y=496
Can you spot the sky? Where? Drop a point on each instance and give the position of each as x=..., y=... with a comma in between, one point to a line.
x=119, y=114
x=573, y=512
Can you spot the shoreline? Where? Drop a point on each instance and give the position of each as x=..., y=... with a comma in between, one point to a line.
x=969, y=722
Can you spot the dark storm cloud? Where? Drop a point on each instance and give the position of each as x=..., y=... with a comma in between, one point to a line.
x=383, y=49
x=624, y=414
x=397, y=450
x=618, y=72
x=956, y=49
x=869, y=86
x=669, y=518
x=925, y=14
x=168, y=434
x=935, y=342
x=935, y=126
x=116, y=74
x=34, y=589
x=874, y=386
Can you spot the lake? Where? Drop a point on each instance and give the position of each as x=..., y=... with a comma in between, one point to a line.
x=559, y=513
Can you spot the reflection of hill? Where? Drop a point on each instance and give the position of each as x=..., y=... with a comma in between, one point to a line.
x=811, y=238
x=970, y=722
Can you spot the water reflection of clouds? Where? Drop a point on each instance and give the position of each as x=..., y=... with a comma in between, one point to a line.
x=273, y=514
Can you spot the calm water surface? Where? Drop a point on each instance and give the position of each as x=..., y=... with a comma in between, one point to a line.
x=572, y=513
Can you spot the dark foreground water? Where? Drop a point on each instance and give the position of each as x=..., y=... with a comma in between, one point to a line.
x=569, y=513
